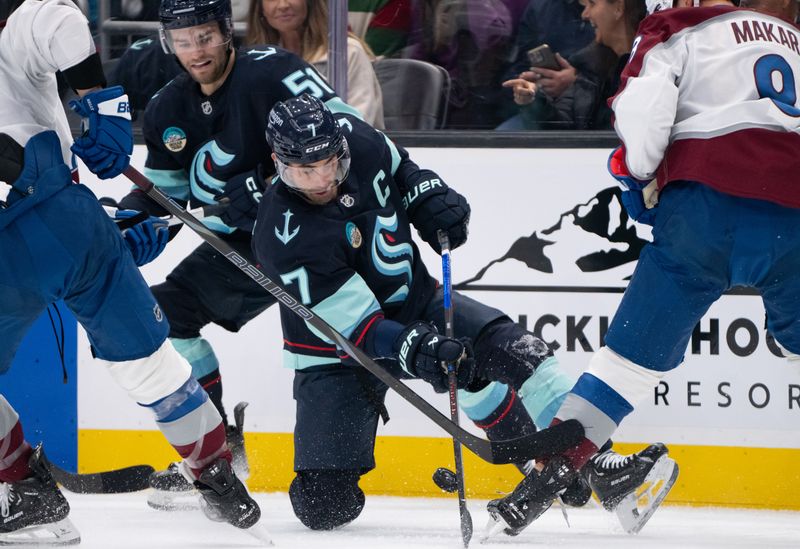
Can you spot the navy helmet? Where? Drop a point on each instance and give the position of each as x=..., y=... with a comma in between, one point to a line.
x=302, y=131
x=181, y=14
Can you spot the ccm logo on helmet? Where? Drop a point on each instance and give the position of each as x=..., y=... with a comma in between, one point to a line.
x=317, y=147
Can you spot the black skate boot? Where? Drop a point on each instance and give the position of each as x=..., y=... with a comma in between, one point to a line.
x=632, y=486
x=532, y=497
x=577, y=494
x=33, y=510
x=225, y=499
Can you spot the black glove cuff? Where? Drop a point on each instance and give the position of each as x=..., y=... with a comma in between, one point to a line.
x=409, y=340
x=429, y=185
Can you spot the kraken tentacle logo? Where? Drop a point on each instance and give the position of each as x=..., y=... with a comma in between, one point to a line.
x=208, y=158
x=385, y=252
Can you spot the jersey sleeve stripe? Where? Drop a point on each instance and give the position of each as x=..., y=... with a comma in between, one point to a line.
x=173, y=182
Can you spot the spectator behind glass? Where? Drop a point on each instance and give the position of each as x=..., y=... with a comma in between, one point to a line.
x=471, y=39
x=595, y=70
x=559, y=24
x=301, y=26
x=554, y=22
x=384, y=25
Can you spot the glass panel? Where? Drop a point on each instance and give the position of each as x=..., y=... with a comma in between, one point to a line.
x=453, y=64
x=512, y=64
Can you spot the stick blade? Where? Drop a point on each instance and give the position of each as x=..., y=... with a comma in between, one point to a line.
x=466, y=527
x=541, y=444
x=118, y=481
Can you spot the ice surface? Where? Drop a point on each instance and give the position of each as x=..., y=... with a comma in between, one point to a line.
x=125, y=521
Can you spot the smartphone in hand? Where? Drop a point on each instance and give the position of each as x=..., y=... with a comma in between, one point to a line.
x=543, y=57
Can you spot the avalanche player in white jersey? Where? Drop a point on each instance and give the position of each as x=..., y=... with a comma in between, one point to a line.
x=57, y=243
x=708, y=107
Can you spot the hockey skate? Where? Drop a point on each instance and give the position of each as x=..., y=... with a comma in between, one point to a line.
x=172, y=491
x=577, y=494
x=532, y=497
x=33, y=511
x=632, y=486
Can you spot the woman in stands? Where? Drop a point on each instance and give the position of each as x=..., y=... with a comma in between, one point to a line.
x=301, y=26
x=597, y=69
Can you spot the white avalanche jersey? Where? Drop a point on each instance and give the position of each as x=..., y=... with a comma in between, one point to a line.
x=711, y=95
x=40, y=38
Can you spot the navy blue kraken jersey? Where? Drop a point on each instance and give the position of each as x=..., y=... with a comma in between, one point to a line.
x=195, y=143
x=350, y=261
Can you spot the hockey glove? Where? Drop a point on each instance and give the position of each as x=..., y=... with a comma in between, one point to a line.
x=433, y=206
x=634, y=191
x=107, y=141
x=146, y=238
x=243, y=193
x=421, y=352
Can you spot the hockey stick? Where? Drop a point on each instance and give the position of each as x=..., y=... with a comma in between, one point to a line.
x=452, y=382
x=118, y=481
x=540, y=444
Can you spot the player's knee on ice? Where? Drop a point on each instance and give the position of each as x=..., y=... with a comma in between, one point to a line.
x=326, y=499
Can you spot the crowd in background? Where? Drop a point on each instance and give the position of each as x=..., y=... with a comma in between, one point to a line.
x=482, y=44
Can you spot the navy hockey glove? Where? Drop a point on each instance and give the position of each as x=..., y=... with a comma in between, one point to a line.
x=107, y=141
x=421, y=351
x=633, y=190
x=243, y=193
x=145, y=235
x=432, y=206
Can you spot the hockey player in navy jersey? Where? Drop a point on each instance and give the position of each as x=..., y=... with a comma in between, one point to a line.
x=57, y=243
x=703, y=85
x=335, y=227
x=204, y=130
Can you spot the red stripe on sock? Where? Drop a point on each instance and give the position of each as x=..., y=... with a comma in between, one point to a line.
x=212, y=446
x=212, y=382
x=580, y=454
x=502, y=415
x=18, y=469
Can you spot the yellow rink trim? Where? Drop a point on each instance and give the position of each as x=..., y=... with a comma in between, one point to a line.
x=710, y=475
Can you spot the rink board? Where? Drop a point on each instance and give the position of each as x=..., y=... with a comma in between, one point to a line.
x=547, y=244
x=709, y=475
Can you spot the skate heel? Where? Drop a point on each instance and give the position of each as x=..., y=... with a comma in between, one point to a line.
x=636, y=508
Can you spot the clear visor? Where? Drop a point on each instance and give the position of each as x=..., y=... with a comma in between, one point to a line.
x=193, y=39
x=321, y=177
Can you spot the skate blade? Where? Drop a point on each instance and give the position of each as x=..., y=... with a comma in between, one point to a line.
x=174, y=501
x=260, y=532
x=564, y=511
x=493, y=527
x=62, y=532
x=636, y=508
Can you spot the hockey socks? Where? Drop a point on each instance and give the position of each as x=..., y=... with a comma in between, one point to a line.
x=14, y=450
x=192, y=425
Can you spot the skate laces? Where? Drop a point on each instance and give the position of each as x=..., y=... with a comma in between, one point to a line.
x=612, y=460
x=6, y=497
